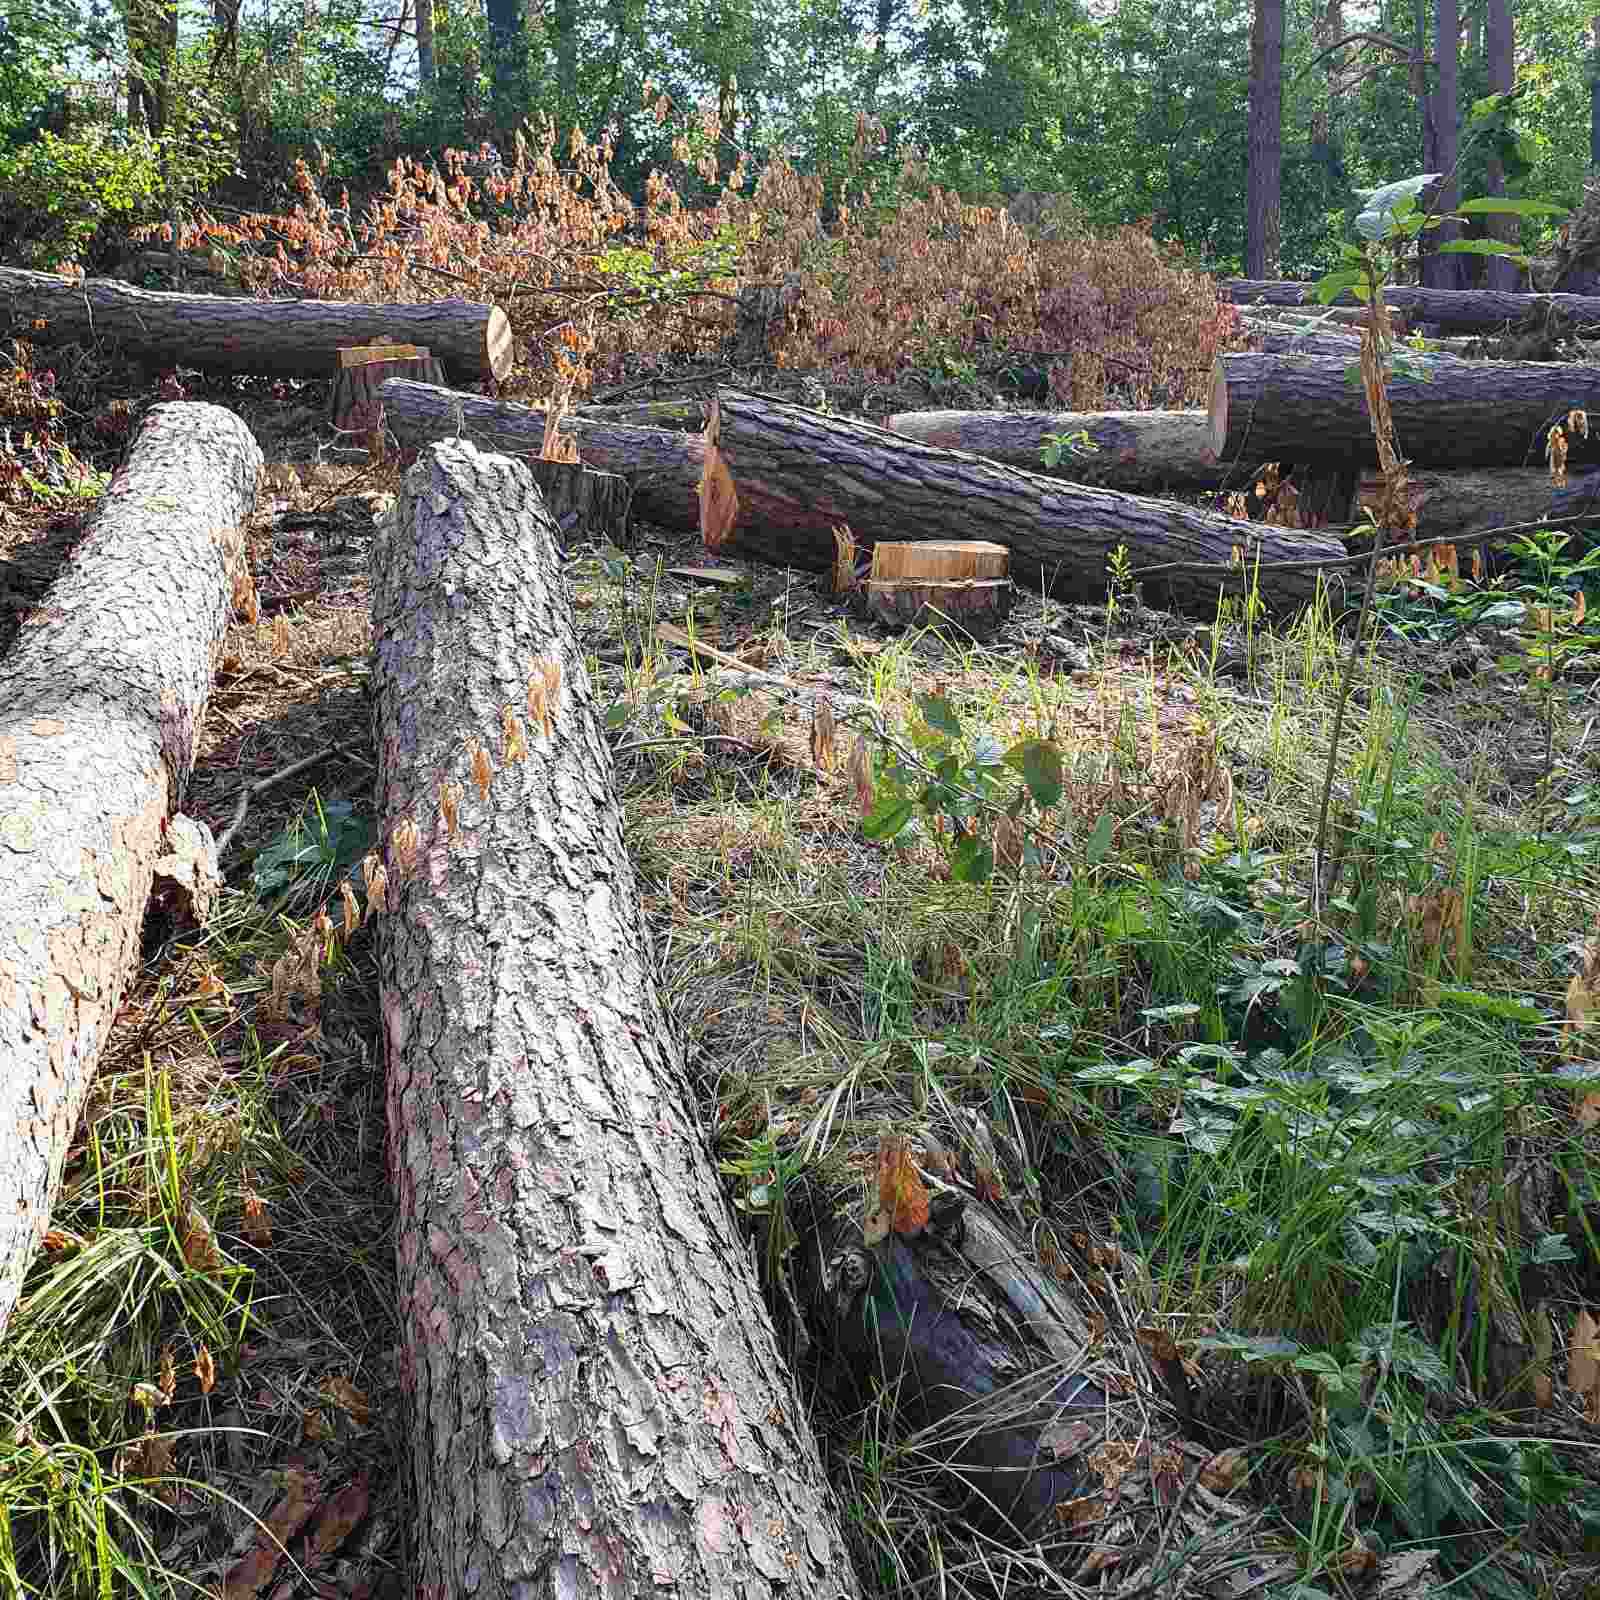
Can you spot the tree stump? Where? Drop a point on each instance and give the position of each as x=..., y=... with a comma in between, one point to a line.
x=960, y=583
x=355, y=406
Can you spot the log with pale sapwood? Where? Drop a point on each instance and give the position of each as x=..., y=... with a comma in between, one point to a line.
x=1274, y=339
x=662, y=467
x=1137, y=450
x=598, y=1402
x=956, y=583
x=1347, y=317
x=1458, y=310
x=287, y=338
x=101, y=700
x=780, y=478
x=1466, y=413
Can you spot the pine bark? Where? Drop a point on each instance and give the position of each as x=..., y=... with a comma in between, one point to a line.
x=1468, y=413
x=223, y=333
x=599, y=1403
x=1137, y=450
x=1457, y=310
x=1500, y=52
x=662, y=466
x=100, y=702
x=780, y=478
x=1442, y=143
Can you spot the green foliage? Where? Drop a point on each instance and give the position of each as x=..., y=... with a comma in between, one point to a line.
x=302, y=865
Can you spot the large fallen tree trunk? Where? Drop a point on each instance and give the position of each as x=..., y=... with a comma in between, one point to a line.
x=663, y=467
x=1466, y=413
x=599, y=1402
x=1464, y=310
x=1452, y=505
x=100, y=702
x=779, y=479
x=1140, y=450
x=289, y=338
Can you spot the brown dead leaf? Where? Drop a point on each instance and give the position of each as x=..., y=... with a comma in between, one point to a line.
x=1084, y=1512
x=347, y=1397
x=482, y=771
x=205, y=1369
x=248, y=1577
x=341, y=1516
x=823, y=728
x=167, y=1382
x=859, y=771
x=1586, y=1112
x=900, y=1199
x=1224, y=1472
x=256, y=1226
x=151, y=1461
x=200, y=1241
x=513, y=744
x=1583, y=1363
x=376, y=880
x=350, y=906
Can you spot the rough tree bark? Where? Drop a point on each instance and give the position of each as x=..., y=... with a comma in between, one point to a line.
x=100, y=701
x=1468, y=413
x=1451, y=505
x=1500, y=53
x=1264, y=178
x=780, y=478
x=292, y=338
x=1464, y=310
x=1441, y=145
x=664, y=467
x=1143, y=450
x=600, y=1407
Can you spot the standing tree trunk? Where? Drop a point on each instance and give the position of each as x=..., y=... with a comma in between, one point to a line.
x=1500, y=51
x=100, y=704
x=1265, y=178
x=425, y=63
x=1594, y=97
x=599, y=1403
x=1443, y=144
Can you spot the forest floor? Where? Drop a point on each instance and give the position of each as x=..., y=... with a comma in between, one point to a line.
x=1342, y=1151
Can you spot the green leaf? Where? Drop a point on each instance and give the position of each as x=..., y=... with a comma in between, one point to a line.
x=972, y=860
x=618, y=713
x=1503, y=205
x=1481, y=247
x=1386, y=206
x=1041, y=771
x=939, y=715
x=888, y=817
x=1100, y=840
x=1492, y=1005
x=1335, y=284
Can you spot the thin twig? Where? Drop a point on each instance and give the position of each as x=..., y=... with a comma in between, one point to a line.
x=261, y=785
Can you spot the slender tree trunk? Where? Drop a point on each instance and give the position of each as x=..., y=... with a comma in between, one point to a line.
x=1265, y=179
x=425, y=60
x=599, y=1404
x=1443, y=114
x=1500, y=58
x=1594, y=100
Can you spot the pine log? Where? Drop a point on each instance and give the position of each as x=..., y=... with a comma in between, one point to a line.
x=780, y=478
x=599, y=1405
x=100, y=703
x=1294, y=338
x=288, y=338
x=1139, y=450
x=1452, y=505
x=663, y=468
x=1341, y=316
x=1467, y=413
x=1461, y=310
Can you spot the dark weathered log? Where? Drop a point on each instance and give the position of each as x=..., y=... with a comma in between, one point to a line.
x=662, y=467
x=292, y=338
x=1143, y=450
x=1451, y=505
x=1464, y=310
x=1467, y=413
x=780, y=478
x=991, y=1366
x=599, y=1403
x=584, y=504
x=100, y=703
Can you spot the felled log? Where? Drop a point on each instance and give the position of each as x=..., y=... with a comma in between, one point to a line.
x=599, y=1405
x=1451, y=505
x=1286, y=338
x=1136, y=450
x=663, y=468
x=1347, y=317
x=1467, y=413
x=100, y=703
x=289, y=338
x=780, y=478
x=1463, y=310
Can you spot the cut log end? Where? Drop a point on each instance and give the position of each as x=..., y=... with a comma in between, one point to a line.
x=499, y=347
x=1218, y=409
x=719, y=500
x=939, y=560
